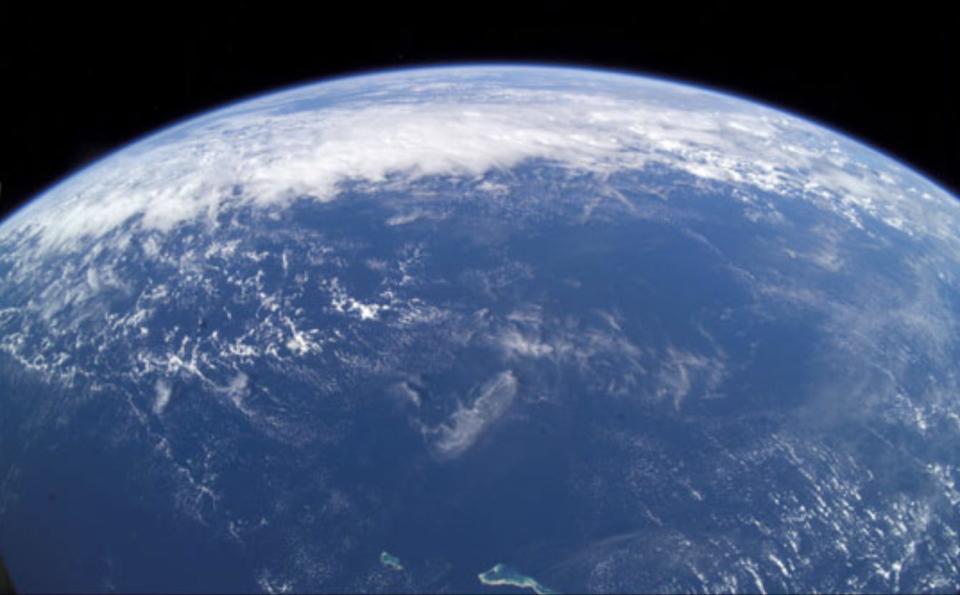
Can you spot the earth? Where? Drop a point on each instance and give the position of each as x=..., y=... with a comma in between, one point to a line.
x=483, y=329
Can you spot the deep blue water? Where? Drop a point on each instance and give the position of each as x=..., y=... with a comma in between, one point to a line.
x=97, y=507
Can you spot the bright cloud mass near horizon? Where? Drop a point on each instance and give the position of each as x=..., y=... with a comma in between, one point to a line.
x=269, y=151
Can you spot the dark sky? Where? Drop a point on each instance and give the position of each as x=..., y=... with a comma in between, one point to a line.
x=76, y=86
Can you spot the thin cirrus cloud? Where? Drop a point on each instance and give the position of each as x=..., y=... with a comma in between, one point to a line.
x=469, y=422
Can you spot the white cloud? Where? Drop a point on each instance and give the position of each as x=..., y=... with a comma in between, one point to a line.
x=515, y=343
x=682, y=371
x=469, y=422
x=162, y=399
x=237, y=390
x=273, y=151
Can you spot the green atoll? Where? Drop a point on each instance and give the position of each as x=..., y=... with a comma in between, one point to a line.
x=390, y=561
x=503, y=575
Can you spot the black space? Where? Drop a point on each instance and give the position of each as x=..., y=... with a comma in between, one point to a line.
x=74, y=86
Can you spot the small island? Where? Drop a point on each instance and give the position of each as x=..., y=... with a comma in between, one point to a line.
x=390, y=561
x=503, y=575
